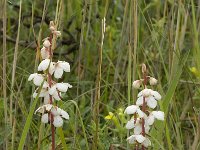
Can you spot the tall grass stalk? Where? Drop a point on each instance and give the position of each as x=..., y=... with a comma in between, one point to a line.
x=4, y=70
x=15, y=64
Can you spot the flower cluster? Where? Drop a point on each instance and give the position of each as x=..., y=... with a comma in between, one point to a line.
x=51, y=91
x=143, y=116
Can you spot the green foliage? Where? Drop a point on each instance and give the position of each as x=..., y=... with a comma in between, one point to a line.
x=167, y=41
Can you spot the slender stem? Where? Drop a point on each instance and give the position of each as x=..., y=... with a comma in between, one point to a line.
x=50, y=97
x=144, y=104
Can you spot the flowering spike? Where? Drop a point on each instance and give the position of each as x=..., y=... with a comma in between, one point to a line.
x=143, y=117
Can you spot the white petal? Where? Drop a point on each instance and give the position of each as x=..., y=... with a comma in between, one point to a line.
x=146, y=92
x=131, y=139
x=156, y=95
x=44, y=65
x=48, y=107
x=58, y=72
x=140, y=138
x=151, y=102
x=150, y=119
x=63, y=87
x=64, y=65
x=56, y=96
x=55, y=112
x=45, y=118
x=52, y=68
x=52, y=90
x=158, y=115
x=140, y=93
x=45, y=85
x=146, y=142
x=45, y=53
x=139, y=101
x=57, y=121
x=38, y=79
x=64, y=114
x=140, y=113
x=138, y=129
x=35, y=94
x=131, y=109
x=46, y=99
x=130, y=124
x=31, y=77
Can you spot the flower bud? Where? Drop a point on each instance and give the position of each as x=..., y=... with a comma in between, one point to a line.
x=153, y=81
x=46, y=43
x=52, y=28
x=136, y=84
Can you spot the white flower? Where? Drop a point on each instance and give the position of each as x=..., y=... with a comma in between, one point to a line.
x=44, y=65
x=37, y=79
x=46, y=43
x=153, y=81
x=150, y=96
x=137, y=84
x=62, y=87
x=45, y=53
x=57, y=121
x=46, y=95
x=140, y=139
x=155, y=115
x=134, y=109
x=137, y=126
x=58, y=68
x=44, y=108
x=57, y=113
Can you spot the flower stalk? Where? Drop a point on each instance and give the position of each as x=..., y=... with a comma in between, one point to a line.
x=143, y=116
x=51, y=90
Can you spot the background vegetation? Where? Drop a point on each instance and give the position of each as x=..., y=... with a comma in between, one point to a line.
x=163, y=34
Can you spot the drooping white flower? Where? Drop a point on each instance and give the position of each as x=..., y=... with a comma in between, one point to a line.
x=45, y=53
x=137, y=83
x=57, y=113
x=159, y=115
x=37, y=79
x=58, y=68
x=62, y=87
x=140, y=139
x=133, y=138
x=46, y=43
x=137, y=126
x=153, y=81
x=44, y=65
x=134, y=109
x=46, y=95
x=150, y=96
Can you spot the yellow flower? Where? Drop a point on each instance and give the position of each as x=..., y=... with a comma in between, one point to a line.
x=195, y=71
x=110, y=116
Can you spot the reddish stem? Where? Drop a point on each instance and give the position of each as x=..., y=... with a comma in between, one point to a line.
x=144, y=105
x=50, y=97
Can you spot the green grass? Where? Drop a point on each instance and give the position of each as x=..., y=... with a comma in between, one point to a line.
x=162, y=34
